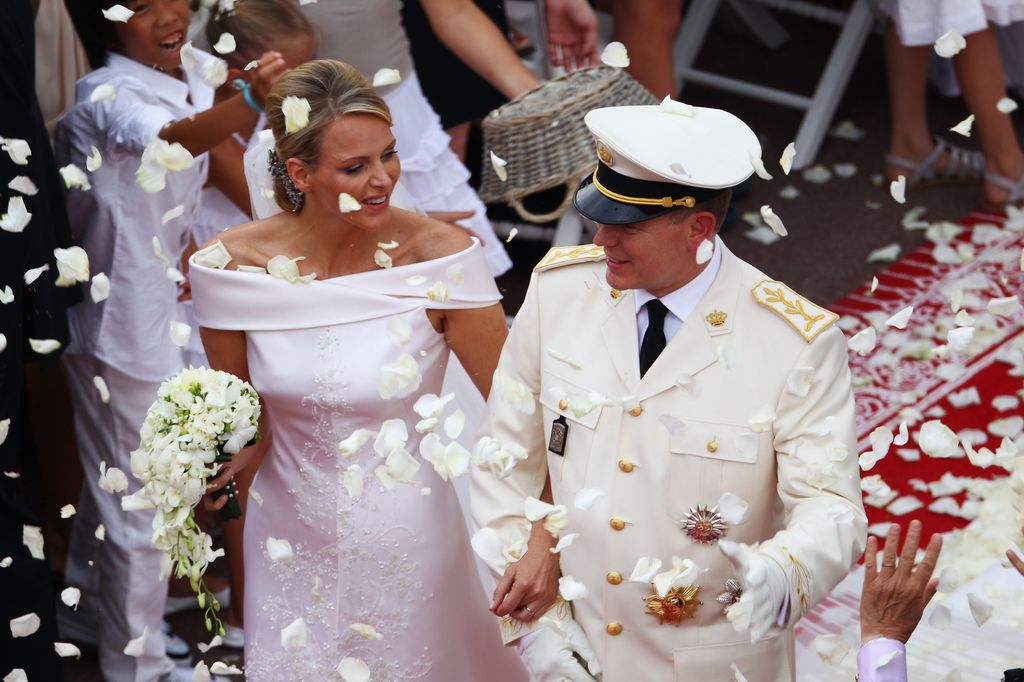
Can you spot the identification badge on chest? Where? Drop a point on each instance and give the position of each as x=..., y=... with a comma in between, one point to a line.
x=559, y=434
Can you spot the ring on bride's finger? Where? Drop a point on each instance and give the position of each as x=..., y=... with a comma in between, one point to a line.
x=532, y=612
x=888, y=565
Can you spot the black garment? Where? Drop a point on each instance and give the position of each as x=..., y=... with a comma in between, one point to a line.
x=453, y=89
x=38, y=311
x=654, y=338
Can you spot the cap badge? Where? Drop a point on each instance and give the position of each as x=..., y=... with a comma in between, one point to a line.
x=704, y=524
x=604, y=154
x=678, y=604
x=732, y=594
x=716, y=318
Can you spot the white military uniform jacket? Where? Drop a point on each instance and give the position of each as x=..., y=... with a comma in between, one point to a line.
x=751, y=346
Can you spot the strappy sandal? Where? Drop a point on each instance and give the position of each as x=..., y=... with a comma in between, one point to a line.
x=963, y=166
x=1014, y=189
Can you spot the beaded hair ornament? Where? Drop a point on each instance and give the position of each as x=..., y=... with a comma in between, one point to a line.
x=279, y=171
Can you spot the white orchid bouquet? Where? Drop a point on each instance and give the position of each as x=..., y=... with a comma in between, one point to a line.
x=201, y=417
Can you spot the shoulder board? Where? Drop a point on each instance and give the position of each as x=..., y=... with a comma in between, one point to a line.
x=806, y=317
x=563, y=255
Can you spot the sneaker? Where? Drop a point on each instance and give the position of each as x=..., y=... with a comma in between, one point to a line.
x=178, y=650
x=234, y=637
x=182, y=604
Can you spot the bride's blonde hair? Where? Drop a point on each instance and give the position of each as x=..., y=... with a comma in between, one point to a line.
x=332, y=89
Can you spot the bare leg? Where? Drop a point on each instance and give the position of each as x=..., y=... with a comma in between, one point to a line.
x=907, y=72
x=979, y=68
x=648, y=29
x=460, y=139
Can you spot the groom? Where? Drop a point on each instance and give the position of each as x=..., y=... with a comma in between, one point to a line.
x=695, y=425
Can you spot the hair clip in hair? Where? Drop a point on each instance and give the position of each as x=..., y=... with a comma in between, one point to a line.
x=279, y=171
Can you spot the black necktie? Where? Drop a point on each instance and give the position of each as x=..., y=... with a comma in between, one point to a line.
x=654, y=337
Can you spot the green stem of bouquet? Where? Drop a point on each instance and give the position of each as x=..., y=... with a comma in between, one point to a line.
x=207, y=601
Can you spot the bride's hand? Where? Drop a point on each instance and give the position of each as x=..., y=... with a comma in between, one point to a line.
x=530, y=585
x=238, y=463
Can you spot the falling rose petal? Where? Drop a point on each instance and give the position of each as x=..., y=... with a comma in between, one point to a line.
x=279, y=550
x=799, y=380
x=26, y=625
x=900, y=319
x=295, y=635
x=67, y=650
x=761, y=419
x=739, y=677
x=885, y=254
x=100, y=533
x=118, y=13
x=981, y=608
x=353, y=481
x=296, y=113
x=454, y=424
x=902, y=436
x=949, y=44
x=902, y=506
x=347, y=204
x=1006, y=105
x=571, y=589
x=112, y=479
x=187, y=53
x=645, y=569
x=253, y=64
x=180, y=333
x=6, y=562
x=221, y=668
x=365, y=631
x=1004, y=306
x=511, y=234
x=614, y=54
x=353, y=670
x=786, y=160
x=498, y=164
x=18, y=150
x=898, y=189
x=385, y=77
x=681, y=573
x=175, y=212
x=94, y=161
x=949, y=578
x=17, y=217
x=759, y=168
x=564, y=542
x=71, y=596
x=67, y=511
x=32, y=538
x=963, y=319
x=940, y=617
x=16, y=675
x=6, y=295
x=585, y=497
x=705, y=251
x=958, y=339
x=215, y=642
x=23, y=184
x=733, y=508
x=671, y=106
x=938, y=440
x=99, y=290
x=215, y=72
x=773, y=221
x=225, y=44
x=437, y=292
x=381, y=259
x=400, y=378
x=213, y=256
x=562, y=357
x=832, y=649
x=137, y=646
x=863, y=342
x=103, y=93
x=845, y=170
x=44, y=346
x=72, y=265
x=964, y=126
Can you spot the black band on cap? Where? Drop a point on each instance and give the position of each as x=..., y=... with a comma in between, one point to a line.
x=627, y=190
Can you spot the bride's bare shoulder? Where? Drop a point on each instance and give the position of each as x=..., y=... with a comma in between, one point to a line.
x=430, y=238
x=251, y=243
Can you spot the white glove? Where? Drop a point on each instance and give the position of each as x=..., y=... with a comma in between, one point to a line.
x=764, y=589
x=548, y=653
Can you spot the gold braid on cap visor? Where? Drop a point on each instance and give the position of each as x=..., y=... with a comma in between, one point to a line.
x=664, y=202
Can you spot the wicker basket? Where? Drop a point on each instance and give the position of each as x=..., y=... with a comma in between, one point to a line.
x=542, y=136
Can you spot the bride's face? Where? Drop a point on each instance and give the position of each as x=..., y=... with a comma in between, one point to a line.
x=358, y=158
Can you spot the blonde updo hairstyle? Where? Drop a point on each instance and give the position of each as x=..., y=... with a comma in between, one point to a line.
x=332, y=89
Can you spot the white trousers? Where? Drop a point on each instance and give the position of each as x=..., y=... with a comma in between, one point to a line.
x=122, y=583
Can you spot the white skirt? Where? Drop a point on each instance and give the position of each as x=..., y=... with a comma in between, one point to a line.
x=922, y=22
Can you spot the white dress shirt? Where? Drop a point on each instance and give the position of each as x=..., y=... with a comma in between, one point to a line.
x=682, y=301
x=116, y=222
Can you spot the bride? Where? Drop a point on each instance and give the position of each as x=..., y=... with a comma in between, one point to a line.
x=341, y=311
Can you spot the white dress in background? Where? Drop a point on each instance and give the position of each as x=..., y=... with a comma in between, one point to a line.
x=922, y=22
x=397, y=559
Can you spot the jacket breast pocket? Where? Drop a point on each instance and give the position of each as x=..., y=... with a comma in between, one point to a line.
x=563, y=399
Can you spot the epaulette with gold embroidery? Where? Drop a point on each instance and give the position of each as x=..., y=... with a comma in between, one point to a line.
x=806, y=317
x=563, y=255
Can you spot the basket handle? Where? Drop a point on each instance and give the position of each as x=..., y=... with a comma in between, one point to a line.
x=528, y=216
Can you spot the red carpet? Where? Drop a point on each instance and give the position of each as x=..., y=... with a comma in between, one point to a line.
x=918, y=280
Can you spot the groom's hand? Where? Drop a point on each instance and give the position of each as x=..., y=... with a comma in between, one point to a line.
x=530, y=585
x=559, y=652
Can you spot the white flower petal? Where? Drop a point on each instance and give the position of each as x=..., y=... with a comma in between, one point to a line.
x=103, y=93
x=180, y=333
x=16, y=675
x=75, y=177
x=399, y=330
x=118, y=13
x=386, y=77
x=454, y=424
x=381, y=259
x=786, y=160
x=295, y=635
x=564, y=542
x=800, y=380
x=498, y=164
x=71, y=596
x=44, y=346
x=902, y=506
x=898, y=189
x=863, y=342
x=112, y=479
x=215, y=72
x=187, y=53
x=885, y=254
x=1006, y=105
x=1004, y=306
x=671, y=106
x=761, y=419
x=513, y=391
x=17, y=217
x=279, y=549
x=23, y=184
x=137, y=646
x=981, y=608
x=571, y=589
x=400, y=378
x=353, y=670
x=645, y=569
x=964, y=126
x=705, y=251
x=733, y=508
x=938, y=440
x=6, y=562
x=72, y=264
x=287, y=269
x=614, y=54
x=353, y=481
x=393, y=434
x=6, y=295
x=958, y=339
x=832, y=649
x=759, y=168
x=26, y=625
x=67, y=511
x=32, y=538
x=221, y=668
x=213, y=256
x=18, y=150
x=900, y=319
x=347, y=204
x=225, y=44
x=365, y=631
x=585, y=497
x=949, y=578
x=949, y=44
x=773, y=221
x=67, y=650
x=94, y=161
x=511, y=234
x=99, y=290
x=100, y=533
x=296, y=113
x=940, y=617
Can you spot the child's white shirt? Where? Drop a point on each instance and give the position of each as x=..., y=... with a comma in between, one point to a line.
x=116, y=221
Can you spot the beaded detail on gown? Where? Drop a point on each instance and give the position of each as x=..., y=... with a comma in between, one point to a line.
x=394, y=556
